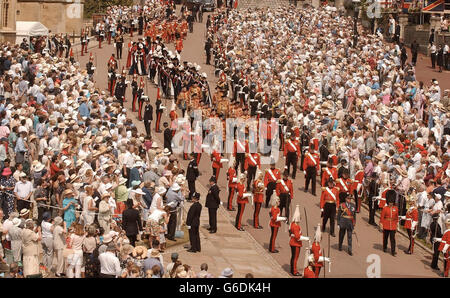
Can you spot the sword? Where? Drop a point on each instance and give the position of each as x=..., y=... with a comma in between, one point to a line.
x=356, y=236
x=306, y=222
x=329, y=250
x=324, y=262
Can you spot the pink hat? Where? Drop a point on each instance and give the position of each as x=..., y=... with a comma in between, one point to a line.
x=6, y=172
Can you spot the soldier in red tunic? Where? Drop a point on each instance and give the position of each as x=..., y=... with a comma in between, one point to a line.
x=285, y=192
x=242, y=199
x=389, y=220
x=258, y=198
x=317, y=252
x=329, y=200
x=444, y=247
x=275, y=223
x=270, y=181
x=308, y=272
x=292, y=154
x=411, y=220
x=232, y=183
x=296, y=240
x=251, y=164
x=311, y=167
x=329, y=172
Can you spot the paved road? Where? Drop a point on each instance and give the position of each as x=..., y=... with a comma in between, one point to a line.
x=343, y=265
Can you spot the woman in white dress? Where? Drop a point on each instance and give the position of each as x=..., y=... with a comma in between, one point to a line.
x=157, y=201
x=31, y=236
x=89, y=208
x=426, y=217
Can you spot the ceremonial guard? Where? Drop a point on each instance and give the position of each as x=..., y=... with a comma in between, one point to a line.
x=329, y=201
x=192, y=174
x=292, y=153
x=101, y=35
x=84, y=42
x=242, y=199
x=193, y=223
x=346, y=220
x=304, y=143
x=258, y=198
x=159, y=111
x=121, y=89
x=308, y=271
x=344, y=184
x=317, y=252
x=148, y=117
x=141, y=98
x=240, y=149
x=328, y=172
x=271, y=177
x=411, y=219
x=324, y=157
x=311, y=167
x=119, y=45
x=134, y=92
x=275, y=223
x=232, y=184
x=90, y=66
x=356, y=187
x=389, y=221
x=112, y=77
x=216, y=159
x=212, y=203
x=444, y=246
x=296, y=239
x=251, y=165
x=285, y=192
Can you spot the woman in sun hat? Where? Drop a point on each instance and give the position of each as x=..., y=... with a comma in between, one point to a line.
x=7, y=184
x=69, y=205
x=31, y=236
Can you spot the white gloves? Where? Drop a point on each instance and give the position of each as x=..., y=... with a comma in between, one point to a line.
x=445, y=248
x=281, y=218
x=188, y=227
x=304, y=172
x=303, y=238
x=321, y=259
x=437, y=240
x=413, y=225
x=321, y=209
x=402, y=217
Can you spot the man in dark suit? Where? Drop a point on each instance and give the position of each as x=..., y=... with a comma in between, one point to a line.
x=193, y=223
x=131, y=222
x=212, y=203
x=167, y=137
x=191, y=175
x=148, y=117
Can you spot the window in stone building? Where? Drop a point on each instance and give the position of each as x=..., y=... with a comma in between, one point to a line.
x=5, y=13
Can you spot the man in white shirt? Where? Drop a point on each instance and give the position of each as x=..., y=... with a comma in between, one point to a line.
x=23, y=191
x=109, y=263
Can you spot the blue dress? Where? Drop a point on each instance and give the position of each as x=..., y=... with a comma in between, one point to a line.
x=69, y=214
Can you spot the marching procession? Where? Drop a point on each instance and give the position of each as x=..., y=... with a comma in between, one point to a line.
x=85, y=193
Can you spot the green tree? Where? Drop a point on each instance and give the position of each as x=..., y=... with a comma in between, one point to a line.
x=95, y=6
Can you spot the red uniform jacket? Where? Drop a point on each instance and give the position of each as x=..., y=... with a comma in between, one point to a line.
x=285, y=187
x=308, y=273
x=292, y=146
x=327, y=173
x=274, y=212
x=315, y=141
x=215, y=158
x=240, y=188
x=315, y=249
x=240, y=147
x=252, y=160
x=231, y=174
x=335, y=160
x=344, y=185
x=311, y=160
x=411, y=215
x=359, y=177
x=258, y=196
x=329, y=195
x=389, y=218
x=382, y=202
x=271, y=176
x=445, y=240
x=296, y=232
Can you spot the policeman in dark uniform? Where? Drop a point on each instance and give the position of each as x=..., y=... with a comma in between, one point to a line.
x=323, y=156
x=120, y=90
x=346, y=220
x=90, y=67
x=208, y=46
x=159, y=112
x=212, y=203
x=373, y=203
x=304, y=143
x=193, y=223
x=148, y=117
x=134, y=92
x=435, y=232
x=141, y=98
x=191, y=175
